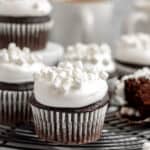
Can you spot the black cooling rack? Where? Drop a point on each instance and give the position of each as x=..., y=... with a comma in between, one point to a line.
x=118, y=134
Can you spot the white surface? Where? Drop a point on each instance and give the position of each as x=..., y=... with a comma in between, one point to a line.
x=52, y=54
x=69, y=86
x=25, y=7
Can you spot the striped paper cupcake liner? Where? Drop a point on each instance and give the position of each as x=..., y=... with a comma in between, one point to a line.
x=69, y=127
x=14, y=107
x=34, y=36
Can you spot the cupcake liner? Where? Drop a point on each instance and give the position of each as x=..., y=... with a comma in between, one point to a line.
x=14, y=107
x=34, y=36
x=69, y=127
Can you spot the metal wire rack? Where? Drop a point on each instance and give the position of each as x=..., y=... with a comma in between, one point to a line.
x=118, y=134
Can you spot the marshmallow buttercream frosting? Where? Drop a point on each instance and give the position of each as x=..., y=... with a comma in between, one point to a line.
x=134, y=49
x=91, y=55
x=69, y=86
x=18, y=65
x=24, y=7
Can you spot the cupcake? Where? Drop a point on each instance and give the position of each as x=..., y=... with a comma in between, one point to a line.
x=92, y=56
x=134, y=89
x=25, y=22
x=132, y=53
x=16, y=84
x=69, y=104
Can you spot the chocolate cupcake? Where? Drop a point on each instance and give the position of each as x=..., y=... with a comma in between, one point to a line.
x=69, y=104
x=135, y=89
x=16, y=84
x=132, y=53
x=25, y=22
x=92, y=56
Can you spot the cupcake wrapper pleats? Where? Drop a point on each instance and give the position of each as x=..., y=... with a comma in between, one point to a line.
x=34, y=36
x=69, y=128
x=14, y=107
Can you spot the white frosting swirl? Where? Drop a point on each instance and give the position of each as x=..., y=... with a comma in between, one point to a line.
x=92, y=55
x=134, y=49
x=17, y=66
x=25, y=7
x=69, y=86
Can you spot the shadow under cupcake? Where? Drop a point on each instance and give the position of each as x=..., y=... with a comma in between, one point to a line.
x=16, y=84
x=69, y=104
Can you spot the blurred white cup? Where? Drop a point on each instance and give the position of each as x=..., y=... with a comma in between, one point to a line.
x=79, y=21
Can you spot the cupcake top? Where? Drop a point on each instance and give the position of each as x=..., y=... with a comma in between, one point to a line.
x=18, y=8
x=134, y=49
x=18, y=65
x=91, y=55
x=120, y=85
x=70, y=86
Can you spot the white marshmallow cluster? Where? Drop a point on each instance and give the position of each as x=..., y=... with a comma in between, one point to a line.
x=139, y=41
x=17, y=56
x=90, y=53
x=68, y=76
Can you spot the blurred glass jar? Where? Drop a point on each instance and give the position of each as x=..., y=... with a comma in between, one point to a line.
x=81, y=21
x=139, y=19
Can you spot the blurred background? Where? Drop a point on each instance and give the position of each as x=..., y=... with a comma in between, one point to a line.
x=93, y=21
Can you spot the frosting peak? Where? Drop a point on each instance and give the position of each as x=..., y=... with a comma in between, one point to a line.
x=145, y=72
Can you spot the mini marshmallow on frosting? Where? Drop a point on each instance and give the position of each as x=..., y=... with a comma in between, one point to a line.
x=24, y=7
x=18, y=65
x=70, y=85
x=134, y=49
x=92, y=55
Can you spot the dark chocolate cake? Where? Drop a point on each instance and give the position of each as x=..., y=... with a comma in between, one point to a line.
x=137, y=93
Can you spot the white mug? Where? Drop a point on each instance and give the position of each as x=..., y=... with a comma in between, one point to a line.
x=81, y=21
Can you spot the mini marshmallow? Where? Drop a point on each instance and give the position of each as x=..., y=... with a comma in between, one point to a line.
x=17, y=56
x=91, y=54
x=69, y=76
